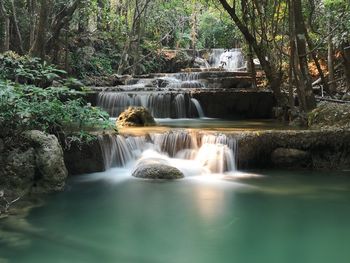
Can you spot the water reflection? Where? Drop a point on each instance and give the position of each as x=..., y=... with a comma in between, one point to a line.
x=210, y=203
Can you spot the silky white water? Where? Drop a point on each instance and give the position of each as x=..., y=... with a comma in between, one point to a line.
x=202, y=153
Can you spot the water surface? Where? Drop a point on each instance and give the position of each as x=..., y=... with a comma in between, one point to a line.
x=279, y=216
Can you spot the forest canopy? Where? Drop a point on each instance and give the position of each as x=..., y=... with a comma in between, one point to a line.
x=296, y=42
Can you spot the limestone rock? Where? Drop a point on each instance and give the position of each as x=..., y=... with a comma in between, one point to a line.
x=156, y=168
x=135, y=117
x=19, y=171
x=51, y=171
x=289, y=157
x=87, y=157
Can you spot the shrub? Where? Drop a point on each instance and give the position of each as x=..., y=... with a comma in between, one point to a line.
x=53, y=110
x=28, y=70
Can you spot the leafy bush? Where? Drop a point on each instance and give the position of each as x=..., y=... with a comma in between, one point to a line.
x=94, y=59
x=28, y=70
x=53, y=110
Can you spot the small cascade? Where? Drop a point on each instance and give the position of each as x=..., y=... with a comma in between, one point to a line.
x=119, y=151
x=215, y=153
x=161, y=105
x=191, y=84
x=179, y=103
x=174, y=141
x=230, y=60
x=217, y=158
x=198, y=107
x=115, y=150
x=187, y=76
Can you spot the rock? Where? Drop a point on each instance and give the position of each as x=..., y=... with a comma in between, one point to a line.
x=288, y=157
x=87, y=157
x=121, y=79
x=329, y=148
x=135, y=117
x=157, y=171
x=19, y=171
x=330, y=115
x=236, y=104
x=51, y=171
x=346, y=97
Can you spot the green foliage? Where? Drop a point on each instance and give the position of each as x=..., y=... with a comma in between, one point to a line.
x=28, y=70
x=53, y=110
x=92, y=61
x=216, y=31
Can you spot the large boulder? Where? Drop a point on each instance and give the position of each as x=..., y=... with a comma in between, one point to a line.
x=135, y=117
x=328, y=148
x=289, y=157
x=51, y=171
x=18, y=171
x=155, y=168
x=85, y=157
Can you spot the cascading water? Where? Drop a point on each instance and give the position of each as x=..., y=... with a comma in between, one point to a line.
x=214, y=153
x=190, y=76
x=115, y=150
x=230, y=60
x=169, y=98
x=198, y=107
x=160, y=105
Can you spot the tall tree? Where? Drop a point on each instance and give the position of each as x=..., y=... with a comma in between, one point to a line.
x=306, y=97
x=6, y=18
x=273, y=72
x=38, y=48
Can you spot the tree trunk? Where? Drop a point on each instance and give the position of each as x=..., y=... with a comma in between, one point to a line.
x=291, y=70
x=317, y=63
x=330, y=58
x=6, y=17
x=18, y=32
x=251, y=66
x=306, y=91
x=61, y=20
x=32, y=20
x=6, y=34
x=38, y=48
x=346, y=63
x=273, y=76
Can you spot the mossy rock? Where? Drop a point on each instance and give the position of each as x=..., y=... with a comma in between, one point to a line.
x=156, y=168
x=157, y=171
x=135, y=117
x=330, y=115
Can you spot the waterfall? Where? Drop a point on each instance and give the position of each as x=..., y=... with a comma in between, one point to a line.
x=230, y=60
x=160, y=105
x=188, y=76
x=213, y=152
x=198, y=107
x=174, y=141
x=115, y=150
x=179, y=103
x=119, y=151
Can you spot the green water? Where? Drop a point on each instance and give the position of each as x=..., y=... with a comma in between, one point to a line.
x=280, y=217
